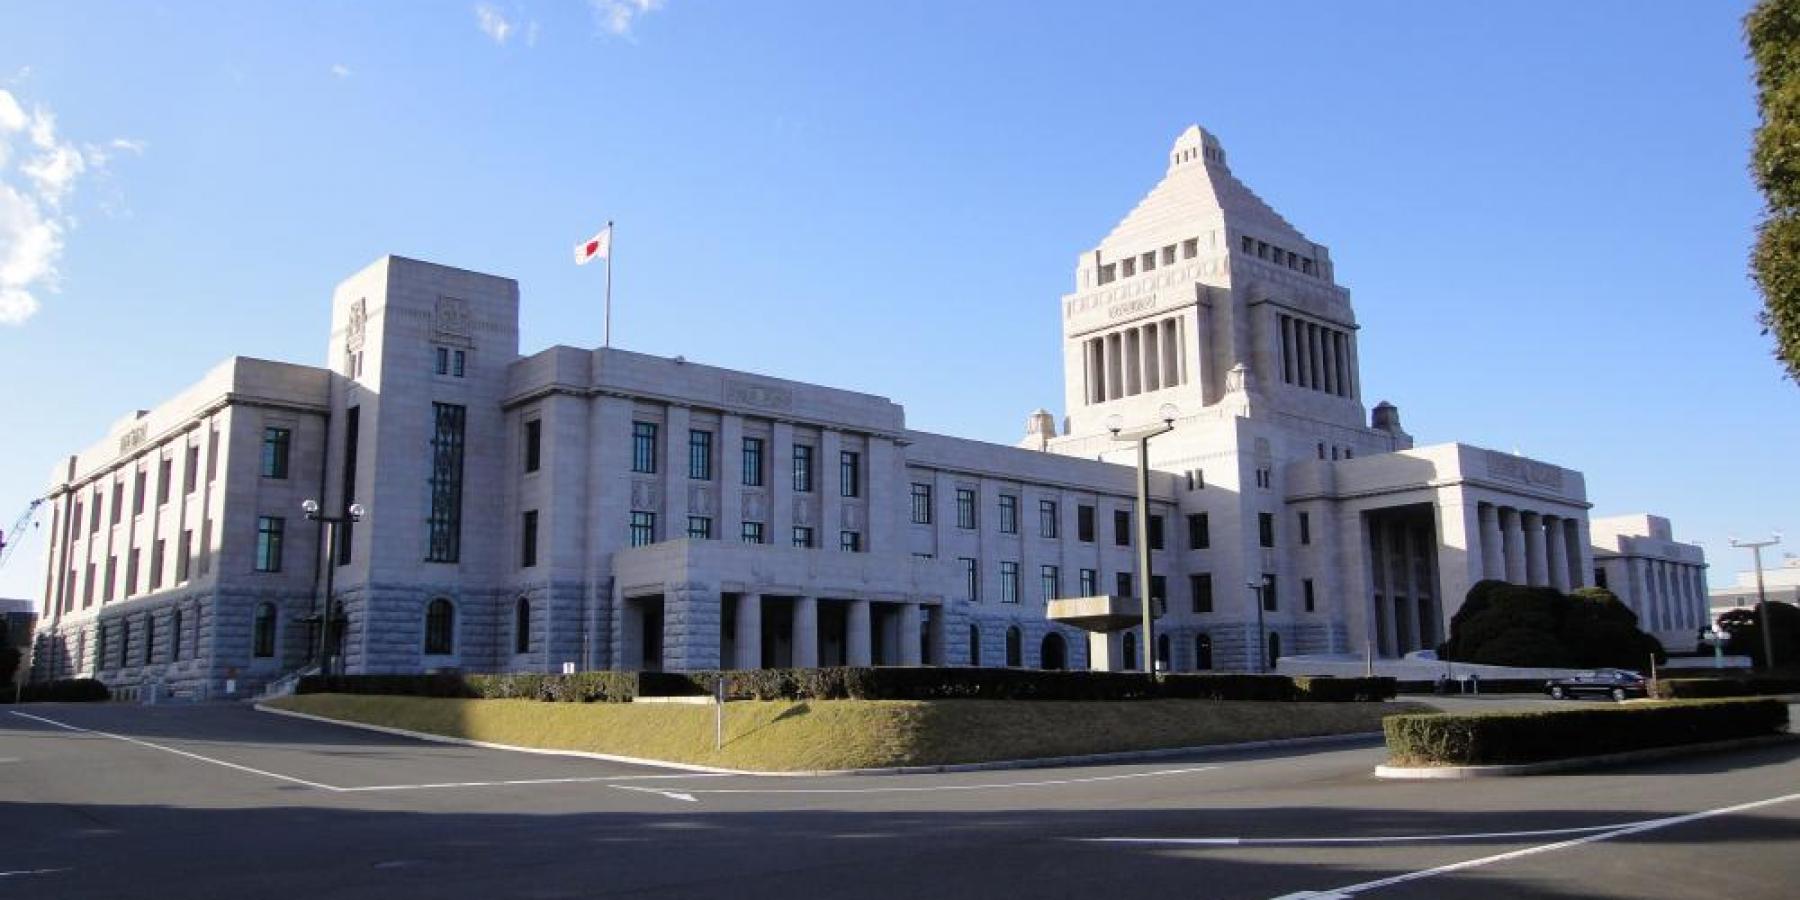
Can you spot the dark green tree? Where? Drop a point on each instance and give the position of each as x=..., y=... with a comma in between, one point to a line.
x=1773, y=32
x=1745, y=627
x=1513, y=625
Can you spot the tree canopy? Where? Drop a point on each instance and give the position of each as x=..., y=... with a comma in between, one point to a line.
x=1505, y=624
x=1773, y=32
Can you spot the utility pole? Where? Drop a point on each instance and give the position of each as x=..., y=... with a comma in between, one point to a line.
x=353, y=513
x=1762, y=597
x=1142, y=437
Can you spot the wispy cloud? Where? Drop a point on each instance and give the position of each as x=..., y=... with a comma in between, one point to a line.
x=493, y=22
x=340, y=71
x=619, y=16
x=33, y=222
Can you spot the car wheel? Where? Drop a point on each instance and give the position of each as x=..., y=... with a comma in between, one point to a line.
x=1619, y=694
x=1556, y=693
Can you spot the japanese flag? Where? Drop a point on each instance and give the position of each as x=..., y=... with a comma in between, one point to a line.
x=597, y=247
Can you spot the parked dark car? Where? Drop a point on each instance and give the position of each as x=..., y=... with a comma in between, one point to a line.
x=1615, y=683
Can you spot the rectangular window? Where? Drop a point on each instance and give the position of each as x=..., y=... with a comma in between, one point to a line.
x=921, y=503
x=346, y=531
x=1168, y=255
x=1084, y=523
x=1306, y=590
x=534, y=444
x=1159, y=590
x=1190, y=248
x=643, y=447
x=443, y=360
x=275, y=446
x=528, y=539
x=971, y=579
x=1305, y=528
x=1200, y=589
x=212, y=456
x=99, y=505
x=137, y=492
x=965, y=507
x=700, y=455
x=1047, y=522
x=1265, y=529
x=1199, y=532
x=849, y=474
x=164, y=471
x=131, y=572
x=190, y=469
x=87, y=588
x=1249, y=244
x=156, y=563
x=1122, y=527
x=1268, y=593
x=803, y=537
x=1050, y=579
x=1009, y=582
x=458, y=363
x=1156, y=532
x=643, y=529
x=1122, y=584
x=1009, y=514
x=175, y=635
x=118, y=501
x=184, y=556
x=443, y=542
x=1089, y=582
x=268, y=543
x=753, y=462
x=751, y=532
x=700, y=528
x=803, y=469
x=850, y=541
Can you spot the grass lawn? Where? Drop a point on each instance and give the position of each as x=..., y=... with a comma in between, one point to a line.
x=848, y=734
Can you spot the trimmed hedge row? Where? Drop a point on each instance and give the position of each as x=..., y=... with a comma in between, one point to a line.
x=1486, y=686
x=1691, y=688
x=1521, y=737
x=68, y=690
x=842, y=683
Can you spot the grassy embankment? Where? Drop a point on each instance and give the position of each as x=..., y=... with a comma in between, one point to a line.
x=846, y=734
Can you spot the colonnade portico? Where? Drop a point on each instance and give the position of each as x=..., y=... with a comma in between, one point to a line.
x=1530, y=547
x=856, y=632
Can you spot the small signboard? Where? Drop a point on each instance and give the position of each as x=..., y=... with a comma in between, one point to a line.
x=568, y=668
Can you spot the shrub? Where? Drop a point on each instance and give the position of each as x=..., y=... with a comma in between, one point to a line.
x=1514, y=625
x=1690, y=688
x=10, y=657
x=1521, y=737
x=1745, y=627
x=68, y=690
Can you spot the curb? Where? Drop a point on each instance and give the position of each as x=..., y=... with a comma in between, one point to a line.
x=1456, y=773
x=995, y=765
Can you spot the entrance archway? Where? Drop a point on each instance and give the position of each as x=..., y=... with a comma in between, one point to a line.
x=1054, y=654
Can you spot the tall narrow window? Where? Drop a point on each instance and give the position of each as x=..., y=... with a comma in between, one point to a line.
x=1009, y=514
x=534, y=444
x=1199, y=532
x=275, y=446
x=1122, y=584
x=156, y=563
x=1047, y=522
x=528, y=533
x=643, y=447
x=921, y=503
x=1156, y=532
x=803, y=469
x=1306, y=591
x=443, y=361
x=184, y=555
x=1268, y=593
x=1050, y=580
x=700, y=455
x=137, y=492
x=131, y=572
x=190, y=471
x=164, y=471
x=118, y=502
x=124, y=642
x=346, y=530
x=1084, y=523
x=1122, y=528
x=849, y=474
x=268, y=543
x=262, y=638
x=971, y=579
x=1090, y=582
x=1200, y=587
x=175, y=635
x=965, y=508
x=643, y=529
x=458, y=363
x=1265, y=529
x=1009, y=582
x=444, y=526
x=753, y=462
x=522, y=626
x=440, y=627
x=112, y=570
x=700, y=528
x=1305, y=528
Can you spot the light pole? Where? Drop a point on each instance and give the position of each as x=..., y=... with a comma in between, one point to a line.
x=1762, y=598
x=1262, y=649
x=1142, y=436
x=352, y=513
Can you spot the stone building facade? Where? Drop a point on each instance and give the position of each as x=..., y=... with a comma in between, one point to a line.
x=610, y=509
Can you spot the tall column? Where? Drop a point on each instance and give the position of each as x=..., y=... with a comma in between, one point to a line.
x=857, y=635
x=1328, y=354
x=1581, y=565
x=1115, y=368
x=748, y=635
x=1559, y=552
x=910, y=635
x=1289, y=352
x=1152, y=354
x=1096, y=356
x=1513, y=533
x=1171, y=352
x=1642, y=593
x=806, y=632
x=1493, y=550
x=1537, y=573
x=1407, y=628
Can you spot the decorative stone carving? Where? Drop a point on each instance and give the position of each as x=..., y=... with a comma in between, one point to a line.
x=852, y=516
x=1237, y=379
x=802, y=511
x=700, y=500
x=761, y=396
x=357, y=327
x=452, y=317
x=645, y=495
x=755, y=506
x=1518, y=468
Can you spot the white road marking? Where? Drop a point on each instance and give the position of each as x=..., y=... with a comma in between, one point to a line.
x=30, y=872
x=1361, y=839
x=1638, y=828
x=592, y=779
x=672, y=795
x=925, y=789
x=207, y=759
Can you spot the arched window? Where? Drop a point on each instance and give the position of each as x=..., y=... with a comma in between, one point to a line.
x=974, y=646
x=1130, y=651
x=1163, y=662
x=262, y=636
x=1015, y=651
x=175, y=635
x=440, y=627
x=1274, y=649
x=1054, y=654
x=522, y=626
x=1203, y=651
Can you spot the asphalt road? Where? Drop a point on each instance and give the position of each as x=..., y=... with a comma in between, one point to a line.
x=222, y=801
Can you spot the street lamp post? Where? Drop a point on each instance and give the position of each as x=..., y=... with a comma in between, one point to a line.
x=1142, y=436
x=1262, y=649
x=352, y=513
x=1762, y=598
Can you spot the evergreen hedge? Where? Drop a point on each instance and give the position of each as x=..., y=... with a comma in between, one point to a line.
x=1496, y=738
x=1691, y=688
x=68, y=690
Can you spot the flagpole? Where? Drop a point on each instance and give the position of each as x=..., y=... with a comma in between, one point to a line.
x=607, y=339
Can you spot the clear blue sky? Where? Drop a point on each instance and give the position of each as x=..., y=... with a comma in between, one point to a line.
x=1542, y=210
